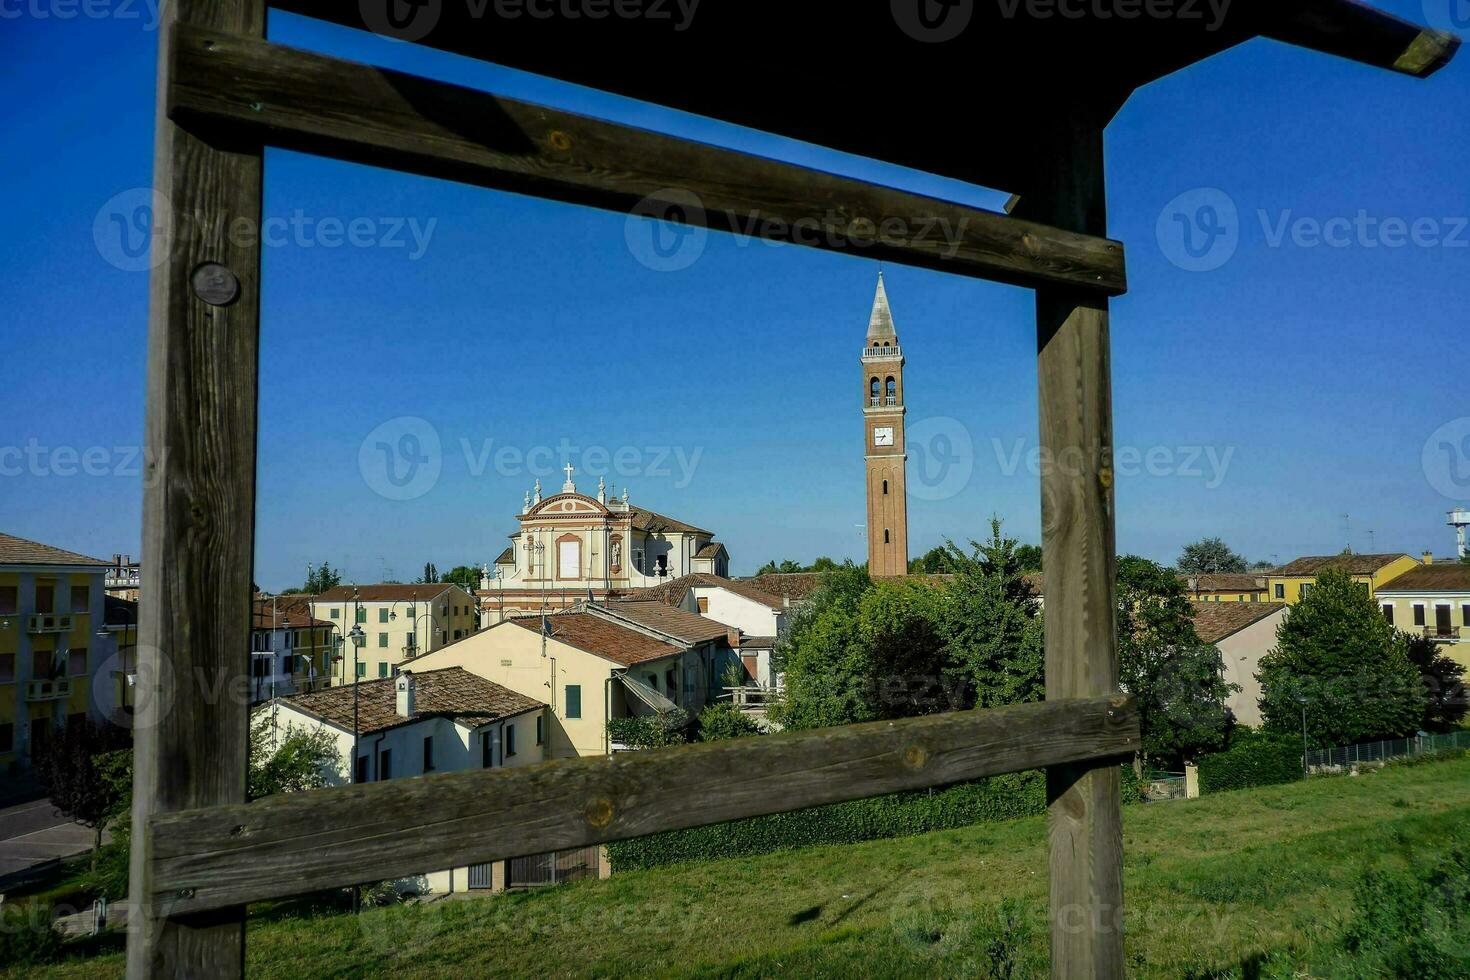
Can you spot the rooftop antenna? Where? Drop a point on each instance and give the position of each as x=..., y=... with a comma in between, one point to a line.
x=1347, y=532
x=1372, y=543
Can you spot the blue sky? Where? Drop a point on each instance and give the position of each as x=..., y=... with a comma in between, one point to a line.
x=1261, y=400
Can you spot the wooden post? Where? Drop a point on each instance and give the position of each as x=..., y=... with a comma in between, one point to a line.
x=1085, y=813
x=198, y=503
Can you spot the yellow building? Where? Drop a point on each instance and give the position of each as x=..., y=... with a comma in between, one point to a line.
x=398, y=622
x=1432, y=600
x=1290, y=582
x=1226, y=587
x=51, y=615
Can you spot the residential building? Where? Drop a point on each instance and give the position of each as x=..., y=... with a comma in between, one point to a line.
x=571, y=548
x=1227, y=587
x=51, y=615
x=1244, y=632
x=123, y=578
x=420, y=722
x=398, y=623
x=757, y=618
x=114, y=678
x=596, y=663
x=290, y=650
x=885, y=452
x=1432, y=600
x=1290, y=582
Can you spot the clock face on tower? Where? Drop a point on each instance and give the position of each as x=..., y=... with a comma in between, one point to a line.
x=883, y=435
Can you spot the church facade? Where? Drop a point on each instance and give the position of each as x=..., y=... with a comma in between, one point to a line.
x=571, y=547
x=885, y=452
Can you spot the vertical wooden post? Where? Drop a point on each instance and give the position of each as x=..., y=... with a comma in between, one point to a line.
x=198, y=502
x=1085, y=813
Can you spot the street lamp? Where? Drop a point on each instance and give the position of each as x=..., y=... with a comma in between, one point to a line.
x=1306, y=771
x=413, y=605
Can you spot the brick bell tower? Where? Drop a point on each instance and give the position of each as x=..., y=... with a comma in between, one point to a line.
x=885, y=451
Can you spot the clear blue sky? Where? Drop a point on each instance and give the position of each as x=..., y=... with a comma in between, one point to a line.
x=1314, y=373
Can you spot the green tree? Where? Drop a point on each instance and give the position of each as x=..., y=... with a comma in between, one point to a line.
x=1176, y=679
x=824, y=664
x=431, y=574
x=1337, y=658
x=1208, y=556
x=822, y=564
x=723, y=720
x=70, y=771
x=1443, y=679
x=319, y=579
x=467, y=577
x=1029, y=556
x=992, y=624
x=935, y=561
x=299, y=759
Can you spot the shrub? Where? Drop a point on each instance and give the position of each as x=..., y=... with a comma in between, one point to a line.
x=721, y=721
x=651, y=731
x=1253, y=759
x=1413, y=922
x=27, y=938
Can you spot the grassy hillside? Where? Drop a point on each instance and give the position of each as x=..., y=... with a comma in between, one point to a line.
x=1252, y=883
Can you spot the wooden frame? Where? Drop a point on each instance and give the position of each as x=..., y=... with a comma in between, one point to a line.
x=200, y=852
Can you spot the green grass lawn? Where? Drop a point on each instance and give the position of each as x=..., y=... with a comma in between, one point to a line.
x=1215, y=887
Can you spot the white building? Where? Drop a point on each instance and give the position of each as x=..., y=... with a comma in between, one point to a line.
x=758, y=617
x=418, y=723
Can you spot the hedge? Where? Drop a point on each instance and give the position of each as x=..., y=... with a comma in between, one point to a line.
x=1256, y=761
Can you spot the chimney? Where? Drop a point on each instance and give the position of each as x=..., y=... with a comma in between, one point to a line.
x=1429, y=558
x=786, y=602
x=405, y=686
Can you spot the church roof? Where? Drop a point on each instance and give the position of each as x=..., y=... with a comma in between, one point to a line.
x=654, y=523
x=880, y=321
x=507, y=557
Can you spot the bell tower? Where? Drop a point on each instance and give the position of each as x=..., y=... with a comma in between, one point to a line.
x=885, y=452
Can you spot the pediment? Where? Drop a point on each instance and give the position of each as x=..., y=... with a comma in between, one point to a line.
x=568, y=505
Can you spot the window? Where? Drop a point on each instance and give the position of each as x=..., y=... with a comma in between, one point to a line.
x=487, y=750
x=1388, y=613
x=1304, y=590
x=76, y=663
x=510, y=740
x=41, y=664
x=873, y=391
x=892, y=392
x=361, y=615
x=382, y=639
x=428, y=753
x=670, y=684
x=885, y=488
x=45, y=598
x=361, y=776
x=7, y=737
x=703, y=604
x=334, y=613
x=383, y=615
x=652, y=680
x=1465, y=615
x=1418, y=615
x=9, y=597
x=81, y=598
x=1281, y=590
x=7, y=667
x=574, y=701
x=382, y=668
x=385, y=764
x=541, y=728
x=361, y=669
x=885, y=535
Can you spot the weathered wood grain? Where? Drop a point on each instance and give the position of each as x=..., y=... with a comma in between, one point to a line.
x=298, y=842
x=198, y=510
x=356, y=112
x=1077, y=531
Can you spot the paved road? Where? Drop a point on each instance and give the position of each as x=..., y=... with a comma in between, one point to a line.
x=31, y=833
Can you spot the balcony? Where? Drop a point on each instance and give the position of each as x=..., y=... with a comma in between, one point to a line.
x=52, y=690
x=881, y=353
x=50, y=622
x=1455, y=634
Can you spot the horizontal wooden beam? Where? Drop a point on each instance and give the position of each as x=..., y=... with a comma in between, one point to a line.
x=1350, y=29
x=298, y=842
x=356, y=112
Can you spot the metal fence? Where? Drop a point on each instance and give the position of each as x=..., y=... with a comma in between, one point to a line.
x=1396, y=748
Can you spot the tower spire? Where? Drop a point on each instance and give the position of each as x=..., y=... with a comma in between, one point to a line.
x=880, y=321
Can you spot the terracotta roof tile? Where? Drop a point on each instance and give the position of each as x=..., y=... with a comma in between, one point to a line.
x=424, y=592
x=293, y=612
x=21, y=551
x=1214, y=621
x=1224, y=582
x=655, y=523
x=449, y=693
x=796, y=585
x=1450, y=576
x=683, y=625
x=620, y=644
x=674, y=591
x=1351, y=564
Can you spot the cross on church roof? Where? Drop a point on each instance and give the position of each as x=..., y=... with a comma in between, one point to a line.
x=569, y=486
